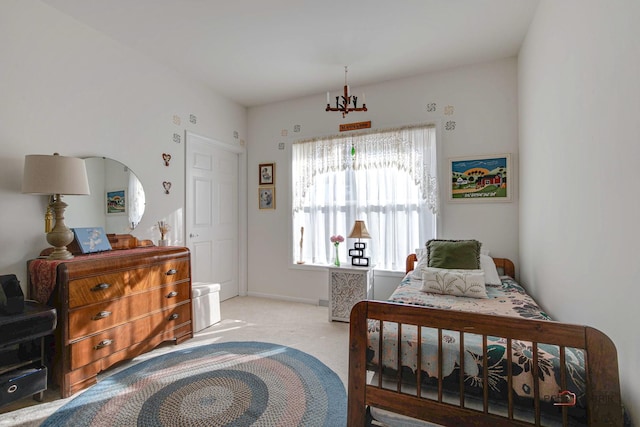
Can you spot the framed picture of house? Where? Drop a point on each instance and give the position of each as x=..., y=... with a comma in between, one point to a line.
x=267, y=197
x=480, y=178
x=116, y=202
x=267, y=174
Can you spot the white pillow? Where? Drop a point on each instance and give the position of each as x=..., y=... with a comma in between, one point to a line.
x=462, y=283
x=423, y=261
x=491, y=276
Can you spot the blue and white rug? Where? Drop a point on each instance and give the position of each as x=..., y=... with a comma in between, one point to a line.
x=226, y=384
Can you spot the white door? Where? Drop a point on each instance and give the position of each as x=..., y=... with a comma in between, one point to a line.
x=211, y=212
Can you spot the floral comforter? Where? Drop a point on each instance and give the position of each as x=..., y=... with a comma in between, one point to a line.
x=508, y=299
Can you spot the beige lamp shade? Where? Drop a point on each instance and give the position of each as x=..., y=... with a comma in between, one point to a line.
x=359, y=231
x=54, y=174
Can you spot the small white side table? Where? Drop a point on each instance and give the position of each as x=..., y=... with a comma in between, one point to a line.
x=347, y=286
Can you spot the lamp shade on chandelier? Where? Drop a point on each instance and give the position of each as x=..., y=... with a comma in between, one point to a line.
x=346, y=103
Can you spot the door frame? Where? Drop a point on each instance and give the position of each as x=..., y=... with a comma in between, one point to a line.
x=242, y=204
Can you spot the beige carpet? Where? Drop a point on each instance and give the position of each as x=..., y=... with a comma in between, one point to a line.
x=301, y=326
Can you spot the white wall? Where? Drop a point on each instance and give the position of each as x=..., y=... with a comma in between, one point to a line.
x=484, y=104
x=66, y=88
x=579, y=152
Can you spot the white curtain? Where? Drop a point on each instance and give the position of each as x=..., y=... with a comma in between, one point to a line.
x=386, y=178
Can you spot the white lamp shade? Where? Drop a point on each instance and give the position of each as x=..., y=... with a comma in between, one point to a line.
x=46, y=174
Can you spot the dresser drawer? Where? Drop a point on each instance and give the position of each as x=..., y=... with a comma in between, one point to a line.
x=115, y=339
x=99, y=317
x=102, y=287
x=170, y=271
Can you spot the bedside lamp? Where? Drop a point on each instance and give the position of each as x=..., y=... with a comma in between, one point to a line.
x=57, y=175
x=359, y=231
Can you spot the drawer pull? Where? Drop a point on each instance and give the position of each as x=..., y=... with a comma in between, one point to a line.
x=103, y=344
x=174, y=316
x=171, y=272
x=100, y=287
x=101, y=315
x=172, y=294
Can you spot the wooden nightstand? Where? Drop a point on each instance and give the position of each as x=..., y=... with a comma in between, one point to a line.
x=347, y=286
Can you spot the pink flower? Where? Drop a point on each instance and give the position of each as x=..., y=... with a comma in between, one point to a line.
x=336, y=240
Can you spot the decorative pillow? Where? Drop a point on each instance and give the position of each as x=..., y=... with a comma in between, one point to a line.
x=461, y=283
x=454, y=254
x=491, y=276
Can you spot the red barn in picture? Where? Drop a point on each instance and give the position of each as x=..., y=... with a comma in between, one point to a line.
x=483, y=181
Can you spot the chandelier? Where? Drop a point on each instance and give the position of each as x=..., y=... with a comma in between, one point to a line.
x=349, y=102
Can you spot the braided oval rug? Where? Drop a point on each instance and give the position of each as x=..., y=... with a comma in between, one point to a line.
x=225, y=384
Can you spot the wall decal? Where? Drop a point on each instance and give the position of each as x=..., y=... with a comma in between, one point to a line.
x=167, y=186
x=193, y=119
x=450, y=125
x=242, y=143
x=296, y=128
x=177, y=138
x=176, y=120
x=281, y=146
x=431, y=107
x=167, y=158
x=235, y=134
x=284, y=132
x=448, y=110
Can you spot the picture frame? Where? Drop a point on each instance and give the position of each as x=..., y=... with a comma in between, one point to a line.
x=267, y=174
x=480, y=178
x=267, y=197
x=116, y=202
x=91, y=239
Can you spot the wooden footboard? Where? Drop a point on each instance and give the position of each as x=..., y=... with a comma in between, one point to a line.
x=602, y=386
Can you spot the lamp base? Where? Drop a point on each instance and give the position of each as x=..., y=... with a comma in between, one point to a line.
x=61, y=235
x=60, y=253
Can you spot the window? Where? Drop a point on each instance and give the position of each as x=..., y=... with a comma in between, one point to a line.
x=386, y=178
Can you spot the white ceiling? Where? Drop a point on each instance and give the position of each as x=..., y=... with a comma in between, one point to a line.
x=260, y=51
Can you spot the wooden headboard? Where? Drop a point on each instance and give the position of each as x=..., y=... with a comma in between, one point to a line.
x=504, y=264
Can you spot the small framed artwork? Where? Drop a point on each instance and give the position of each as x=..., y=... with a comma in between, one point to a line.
x=91, y=239
x=267, y=197
x=480, y=178
x=267, y=173
x=116, y=202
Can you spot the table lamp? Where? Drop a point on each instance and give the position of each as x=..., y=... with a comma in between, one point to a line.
x=359, y=231
x=57, y=175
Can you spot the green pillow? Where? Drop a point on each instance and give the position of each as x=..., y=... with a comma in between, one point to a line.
x=457, y=254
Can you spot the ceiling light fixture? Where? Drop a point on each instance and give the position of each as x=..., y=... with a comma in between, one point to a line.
x=349, y=102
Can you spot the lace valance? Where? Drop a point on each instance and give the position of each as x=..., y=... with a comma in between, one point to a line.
x=412, y=149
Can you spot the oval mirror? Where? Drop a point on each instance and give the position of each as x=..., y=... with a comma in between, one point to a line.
x=116, y=202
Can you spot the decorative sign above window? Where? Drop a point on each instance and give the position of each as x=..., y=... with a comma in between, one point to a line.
x=355, y=126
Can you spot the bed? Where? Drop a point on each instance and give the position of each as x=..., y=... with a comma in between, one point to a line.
x=494, y=361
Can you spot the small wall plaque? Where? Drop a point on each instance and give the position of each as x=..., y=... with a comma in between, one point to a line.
x=355, y=126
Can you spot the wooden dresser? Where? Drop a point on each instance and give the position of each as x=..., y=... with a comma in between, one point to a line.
x=112, y=307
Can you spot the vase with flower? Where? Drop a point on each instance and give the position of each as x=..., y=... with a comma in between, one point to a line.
x=336, y=240
x=164, y=228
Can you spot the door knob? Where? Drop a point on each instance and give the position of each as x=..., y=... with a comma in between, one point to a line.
x=192, y=235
